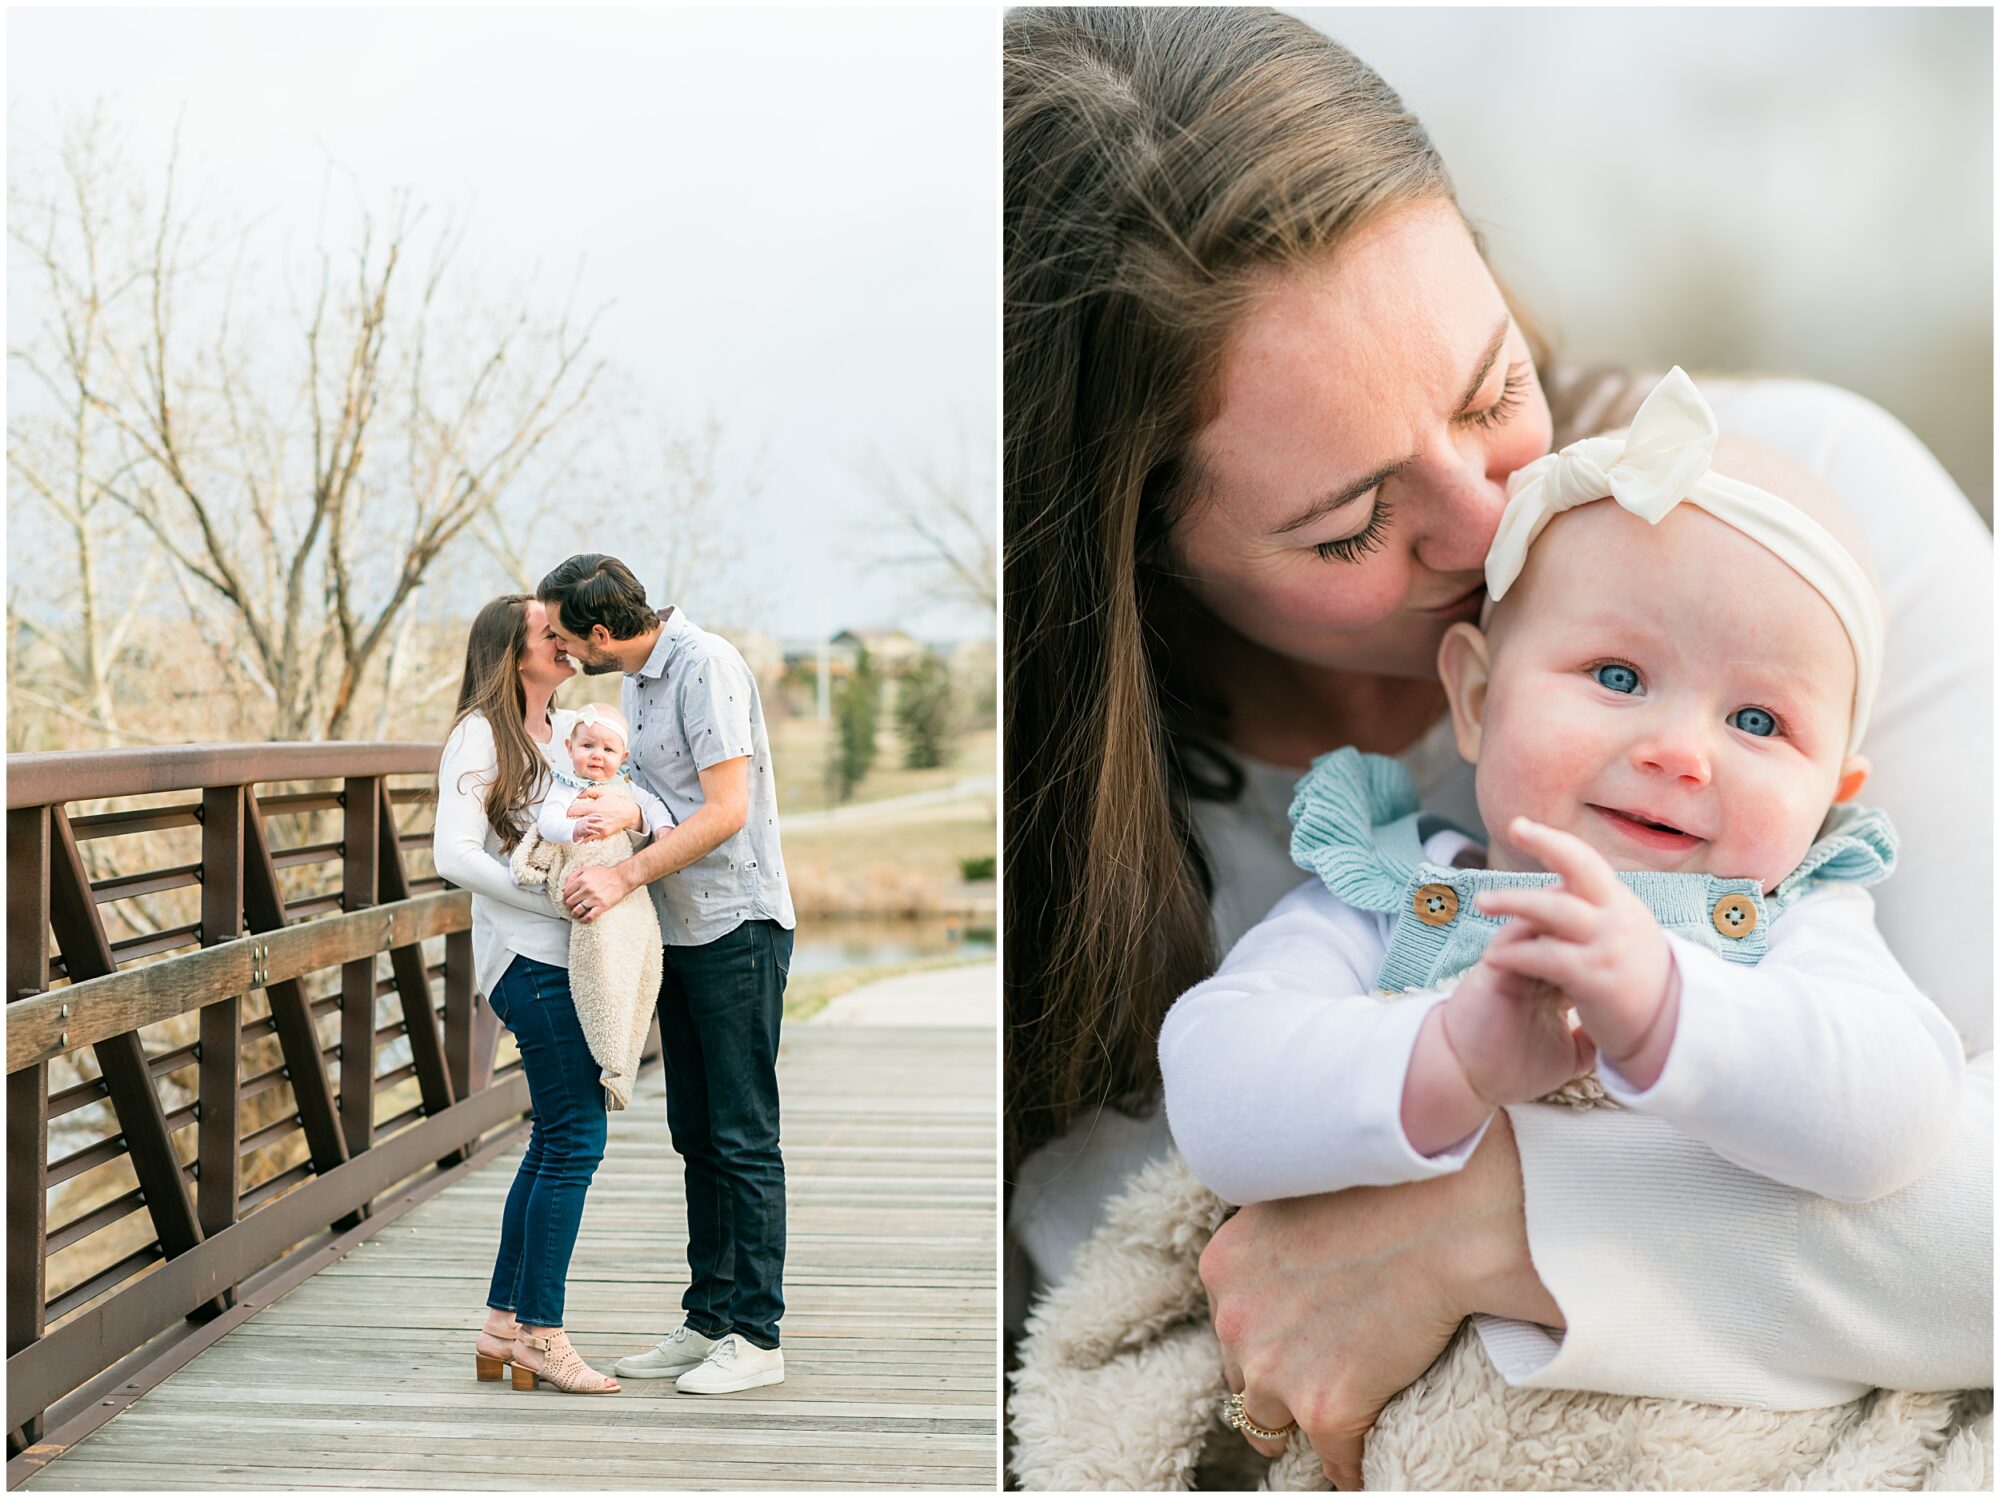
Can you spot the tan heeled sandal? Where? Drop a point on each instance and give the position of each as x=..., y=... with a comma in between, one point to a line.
x=493, y=1352
x=562, y=1366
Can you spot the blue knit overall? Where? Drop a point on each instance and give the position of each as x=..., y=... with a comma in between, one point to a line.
x=1356, y=824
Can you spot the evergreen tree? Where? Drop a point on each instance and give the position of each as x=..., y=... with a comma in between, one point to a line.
x=924, y=713
x=857, y=701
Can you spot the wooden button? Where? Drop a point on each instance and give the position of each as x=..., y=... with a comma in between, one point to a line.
x=1436, y=904
x=1735, y=916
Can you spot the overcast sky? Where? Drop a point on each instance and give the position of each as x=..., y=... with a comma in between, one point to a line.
x=794, y=212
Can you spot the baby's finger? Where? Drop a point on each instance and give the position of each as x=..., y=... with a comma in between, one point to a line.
x=1583, y=869
x=1554, y=911
x=1556, y=963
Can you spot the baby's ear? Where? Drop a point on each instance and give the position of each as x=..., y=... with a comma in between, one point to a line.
x=1853, y=774
x=1464, y=667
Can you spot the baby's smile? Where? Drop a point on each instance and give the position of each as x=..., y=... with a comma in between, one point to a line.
x=1648, y=831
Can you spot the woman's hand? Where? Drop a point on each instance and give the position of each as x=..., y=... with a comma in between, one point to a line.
x=1329, y=1306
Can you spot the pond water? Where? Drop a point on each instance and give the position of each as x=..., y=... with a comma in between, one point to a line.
x=826, y=944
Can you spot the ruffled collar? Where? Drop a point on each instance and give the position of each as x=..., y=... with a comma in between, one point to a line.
x=1356, y=824
x=577, y=782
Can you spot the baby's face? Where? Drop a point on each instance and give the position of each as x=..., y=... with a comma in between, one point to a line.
x=1674, y=695
x=595, y=751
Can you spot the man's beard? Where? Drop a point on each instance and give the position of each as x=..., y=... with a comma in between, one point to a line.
x=597, y=668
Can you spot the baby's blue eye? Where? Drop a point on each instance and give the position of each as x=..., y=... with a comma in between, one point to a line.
x=1617, y=678
x=1753, y=720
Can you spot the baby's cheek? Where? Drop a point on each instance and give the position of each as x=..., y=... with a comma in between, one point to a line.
x=1534, y=770
x=1769, y=833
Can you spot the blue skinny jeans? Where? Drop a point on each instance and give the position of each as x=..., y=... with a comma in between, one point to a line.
x=545, y=1204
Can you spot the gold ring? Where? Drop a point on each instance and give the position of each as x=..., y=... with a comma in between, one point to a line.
x=1236, y=1415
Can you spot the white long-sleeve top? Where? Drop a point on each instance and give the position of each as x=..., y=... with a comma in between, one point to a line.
x=1820, y=1067
x=556, y=825
x=506, y=919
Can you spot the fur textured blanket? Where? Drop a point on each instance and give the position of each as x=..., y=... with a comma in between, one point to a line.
x=614, y=961
x=1119, y=1388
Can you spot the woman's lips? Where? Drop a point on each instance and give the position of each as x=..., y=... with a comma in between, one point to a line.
x=1466, y=604
x=1644, y=833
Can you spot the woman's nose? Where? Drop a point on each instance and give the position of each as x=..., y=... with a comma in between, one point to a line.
x=1469, y=500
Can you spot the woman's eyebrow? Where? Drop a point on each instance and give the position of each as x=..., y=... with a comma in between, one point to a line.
x=1347, y=494
x=1331, y=502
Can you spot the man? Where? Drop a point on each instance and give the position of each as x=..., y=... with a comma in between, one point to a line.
x=717, y=880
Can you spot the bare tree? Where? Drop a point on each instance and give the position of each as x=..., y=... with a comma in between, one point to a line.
x=676, y=513
x=299, y=478
x=944, y=531
x=62, y=451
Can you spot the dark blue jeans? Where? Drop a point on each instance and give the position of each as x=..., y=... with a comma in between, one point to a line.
x=720, y=1005
x=545, y=1204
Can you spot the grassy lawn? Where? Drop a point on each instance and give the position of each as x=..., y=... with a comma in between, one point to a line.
x=799, y=752
x=887, y=867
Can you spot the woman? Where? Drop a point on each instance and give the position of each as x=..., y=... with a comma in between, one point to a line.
x=495, y=767
x=1263, y=396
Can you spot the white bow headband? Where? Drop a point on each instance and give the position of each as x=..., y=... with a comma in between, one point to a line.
x=596, y=714
x=1659, y=462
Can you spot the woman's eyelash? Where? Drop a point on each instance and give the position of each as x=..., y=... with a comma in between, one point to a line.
x=1512, y=393
x=1369, y=538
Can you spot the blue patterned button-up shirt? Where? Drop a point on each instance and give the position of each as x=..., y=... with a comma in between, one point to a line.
x=692, y=706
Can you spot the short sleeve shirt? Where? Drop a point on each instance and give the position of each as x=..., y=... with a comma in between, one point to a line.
x=692, y=706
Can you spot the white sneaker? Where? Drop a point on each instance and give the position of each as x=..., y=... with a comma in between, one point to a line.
x=734, y=1365
x=682, y=1348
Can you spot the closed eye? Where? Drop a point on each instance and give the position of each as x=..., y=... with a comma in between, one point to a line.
x=1368, y=538
x=1512, y=393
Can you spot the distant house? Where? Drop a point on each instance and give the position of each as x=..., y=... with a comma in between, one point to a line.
x=891, y=650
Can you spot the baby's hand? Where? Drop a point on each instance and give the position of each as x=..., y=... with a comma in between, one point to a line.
x=1511, y=1033
x=1588, y=936
x=604, y=813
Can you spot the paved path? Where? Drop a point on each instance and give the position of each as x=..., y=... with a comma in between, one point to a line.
x=960, y=997
x=973, y=788
x=362, y=1377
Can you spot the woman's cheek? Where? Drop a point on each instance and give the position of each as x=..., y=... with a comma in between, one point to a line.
x=1344, y=595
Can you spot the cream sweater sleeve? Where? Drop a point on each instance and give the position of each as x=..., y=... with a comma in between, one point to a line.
x=1820, y=1067
x=1679, y=1274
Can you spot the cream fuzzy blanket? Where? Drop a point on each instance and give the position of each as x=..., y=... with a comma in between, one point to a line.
x=614, y=961
x=1120, y=1383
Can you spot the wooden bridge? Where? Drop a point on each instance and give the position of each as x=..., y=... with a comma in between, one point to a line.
x=227, y=1267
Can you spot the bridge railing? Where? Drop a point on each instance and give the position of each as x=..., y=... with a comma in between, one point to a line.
x=258, y=1018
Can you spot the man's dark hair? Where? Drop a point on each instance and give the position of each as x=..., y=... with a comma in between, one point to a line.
x=594, y=589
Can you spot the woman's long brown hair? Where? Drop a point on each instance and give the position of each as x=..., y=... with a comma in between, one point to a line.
x=1156, y=162
x=492, y=688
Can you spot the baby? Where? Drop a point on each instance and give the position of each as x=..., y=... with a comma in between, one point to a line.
x=614, y=961
x=1664, y=704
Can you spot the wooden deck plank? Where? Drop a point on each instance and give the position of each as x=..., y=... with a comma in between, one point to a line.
x=361, y=1377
